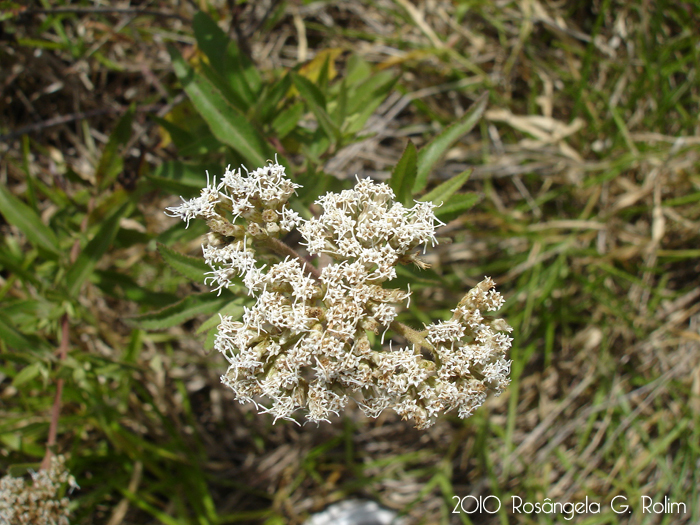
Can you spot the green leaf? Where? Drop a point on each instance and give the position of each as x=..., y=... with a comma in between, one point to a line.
x=317, y=103
x=200, y=304
x=370, y=89
x=121, y=285
x=233, y=308
x=230, y=127
x=367, y=98
x=183, y=179
x=210, y=39
x=241, y=74
x=190, y=267
x=340, y=111
x=210, y=340
x=270, y=98
x=176, y=233
x=404, y=175
x=94, y=250
x=448, y=188
x=26, y=219
x=357, y=69
x=28, y=373
x=203, y=146
x=18, y=266
x=456, y=205
x=429, y=155
x=13, y=337
x=111, y=161
x=287, y=120
x=224, y=88
x=179, y=136
x=27, y=314
x=322, y=82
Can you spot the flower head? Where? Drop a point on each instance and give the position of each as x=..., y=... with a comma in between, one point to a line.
x=37, y=503
x=307, y=341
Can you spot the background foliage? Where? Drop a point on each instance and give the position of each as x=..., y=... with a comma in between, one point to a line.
x=579, y=124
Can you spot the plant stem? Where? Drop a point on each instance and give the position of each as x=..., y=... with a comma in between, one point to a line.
x=284, y=249
x=56, y=409
x=413, y=336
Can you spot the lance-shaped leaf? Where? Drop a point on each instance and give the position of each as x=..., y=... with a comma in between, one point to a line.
x=179, y=136
x=111, y=162
x=366, y=97
x=456, y=205
x=183, y=179
x=26, y=219
x=404, y=175
x=226, y=75
x=233, y=308
x=241, y=74
x=448, y=188
x=431, y=153
x=317, y=103
x=28, y=373
x=94, y=250
x=18, y=266
x=184, y=310
x=13, y=337
x=120, y=285
x=270, y=97
x=229, y=126
x=287, y=120
x=210, y=39
x=190, y=267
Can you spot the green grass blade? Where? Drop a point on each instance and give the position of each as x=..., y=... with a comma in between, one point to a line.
x=145, y=506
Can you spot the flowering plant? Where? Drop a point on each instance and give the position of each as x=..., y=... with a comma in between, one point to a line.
x=307, y=340
x=39, y=502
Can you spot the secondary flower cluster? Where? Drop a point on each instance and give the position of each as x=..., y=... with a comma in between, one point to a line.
x=307, y=342
x=37, y=503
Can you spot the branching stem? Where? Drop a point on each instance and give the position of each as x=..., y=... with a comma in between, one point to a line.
x=283, y=249
x=413, y=336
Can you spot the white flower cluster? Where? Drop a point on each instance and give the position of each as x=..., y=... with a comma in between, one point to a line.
x=307, y=340
x=36, y=503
